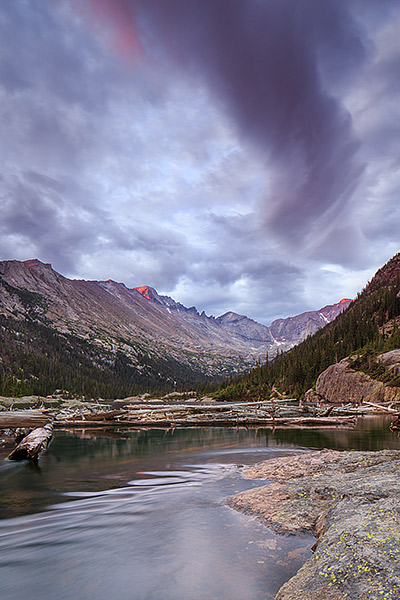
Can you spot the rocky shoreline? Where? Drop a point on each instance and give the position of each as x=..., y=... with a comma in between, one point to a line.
x=350, y=501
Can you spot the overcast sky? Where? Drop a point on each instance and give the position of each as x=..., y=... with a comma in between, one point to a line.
x=234, y=154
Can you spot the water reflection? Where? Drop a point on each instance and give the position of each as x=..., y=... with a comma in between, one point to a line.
x=92, y=460
x=139, y=515
x=371, y=433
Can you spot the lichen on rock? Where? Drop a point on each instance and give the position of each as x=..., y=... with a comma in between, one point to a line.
x=350, y=502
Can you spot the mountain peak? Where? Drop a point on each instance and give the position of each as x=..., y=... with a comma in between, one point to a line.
x=230, y=316
x=32, y=262
x=147, y=292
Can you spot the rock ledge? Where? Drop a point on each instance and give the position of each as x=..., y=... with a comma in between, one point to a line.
x=351, y=502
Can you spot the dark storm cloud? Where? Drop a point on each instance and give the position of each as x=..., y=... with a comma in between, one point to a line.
x=282, y=70
x=270, y=64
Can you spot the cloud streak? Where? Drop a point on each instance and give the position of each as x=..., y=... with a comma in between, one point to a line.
x=266, y=62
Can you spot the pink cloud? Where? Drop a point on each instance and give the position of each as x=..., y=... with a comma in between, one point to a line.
x=113, y=22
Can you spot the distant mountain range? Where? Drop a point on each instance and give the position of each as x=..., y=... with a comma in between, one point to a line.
x=157, y=337
x=253, y=336
x=369, y=328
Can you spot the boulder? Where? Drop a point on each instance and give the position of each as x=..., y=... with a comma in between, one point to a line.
x=339, y=383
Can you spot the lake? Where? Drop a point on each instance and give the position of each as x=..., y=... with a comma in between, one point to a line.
x=140, y=515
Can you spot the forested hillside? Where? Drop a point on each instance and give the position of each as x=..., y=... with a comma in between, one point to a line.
x=370, y=325
x=36, y=359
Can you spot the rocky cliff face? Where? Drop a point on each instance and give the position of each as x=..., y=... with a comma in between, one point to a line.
x=340, y=383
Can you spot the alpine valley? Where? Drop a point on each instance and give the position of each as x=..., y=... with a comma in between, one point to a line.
x=104, y=339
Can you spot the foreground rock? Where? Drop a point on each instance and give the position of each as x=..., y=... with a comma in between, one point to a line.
x=351, y=502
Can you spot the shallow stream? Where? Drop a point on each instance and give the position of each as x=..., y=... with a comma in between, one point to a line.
x=140, y=515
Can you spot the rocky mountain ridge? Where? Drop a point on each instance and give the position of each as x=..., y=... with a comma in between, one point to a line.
x=144, y=328
x=282, y=333
x=389, y=274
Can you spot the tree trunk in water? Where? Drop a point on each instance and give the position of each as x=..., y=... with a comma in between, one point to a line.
x=33, y=444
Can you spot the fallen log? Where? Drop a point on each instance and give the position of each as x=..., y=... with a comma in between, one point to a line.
x=385, y=408
x=318, y=421
x=101, y=415
x=23, y=418
x=32, y=445
x=197, y=407
x=224, y=421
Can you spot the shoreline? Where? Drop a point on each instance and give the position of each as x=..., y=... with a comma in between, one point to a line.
x=350, y=501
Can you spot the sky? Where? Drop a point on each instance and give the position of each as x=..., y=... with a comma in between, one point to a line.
x=236, y=155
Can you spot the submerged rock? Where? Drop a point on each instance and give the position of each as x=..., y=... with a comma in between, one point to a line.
x=351, y=502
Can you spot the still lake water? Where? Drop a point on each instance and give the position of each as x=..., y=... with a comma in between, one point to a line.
x=140, y=515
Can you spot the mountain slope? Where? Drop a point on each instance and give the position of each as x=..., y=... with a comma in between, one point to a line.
x=281, y=334
x=369, y=326
x=298, y=328
x=136, y=334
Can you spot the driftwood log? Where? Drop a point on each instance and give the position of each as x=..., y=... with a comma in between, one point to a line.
x=381, y=407
x=23, y=418
x=162, y=414
x=32, y=445
x=109, y=415
x=269, y=413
